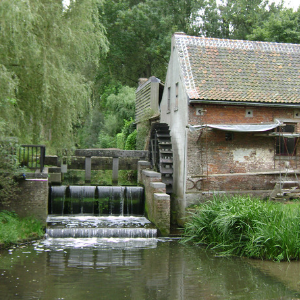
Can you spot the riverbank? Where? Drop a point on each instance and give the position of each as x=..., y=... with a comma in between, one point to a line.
x=248, y=227
x=15, y=230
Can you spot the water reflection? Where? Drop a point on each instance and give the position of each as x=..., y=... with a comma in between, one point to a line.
x=130, y=269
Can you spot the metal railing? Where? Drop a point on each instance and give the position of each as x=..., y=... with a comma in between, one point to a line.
x=32, y=156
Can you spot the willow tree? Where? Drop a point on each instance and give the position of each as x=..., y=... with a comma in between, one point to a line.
x=48, y=58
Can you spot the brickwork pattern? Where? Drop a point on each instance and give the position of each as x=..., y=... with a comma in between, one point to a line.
x=157, y=202
x=210, y=152
x=31, y=200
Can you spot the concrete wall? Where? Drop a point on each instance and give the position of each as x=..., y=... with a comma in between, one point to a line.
x=32, y=199
x=157, y=202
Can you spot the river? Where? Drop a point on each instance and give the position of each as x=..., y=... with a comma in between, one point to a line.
x=135, y=269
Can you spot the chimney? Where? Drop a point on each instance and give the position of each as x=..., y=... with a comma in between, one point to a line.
x=142, y=81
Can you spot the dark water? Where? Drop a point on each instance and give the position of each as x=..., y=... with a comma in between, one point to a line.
x=130, y=269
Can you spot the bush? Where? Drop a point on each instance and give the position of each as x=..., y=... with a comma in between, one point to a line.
x=247, y=227
x=14, y=229
x=120, y=141
x=131, y=141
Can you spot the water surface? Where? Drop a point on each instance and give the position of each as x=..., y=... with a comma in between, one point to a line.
x=131, y=269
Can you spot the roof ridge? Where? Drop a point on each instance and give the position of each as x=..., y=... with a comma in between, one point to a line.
x=237, y=44
x=238, y=70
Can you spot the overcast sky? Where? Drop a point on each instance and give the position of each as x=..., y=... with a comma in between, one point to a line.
x=290, y=3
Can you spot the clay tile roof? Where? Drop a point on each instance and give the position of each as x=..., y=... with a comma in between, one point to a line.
x=236, y=70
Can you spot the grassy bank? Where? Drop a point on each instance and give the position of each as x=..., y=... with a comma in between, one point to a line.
x=247, y=227
x=15, y=230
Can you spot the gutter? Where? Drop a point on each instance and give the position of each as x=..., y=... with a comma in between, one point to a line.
x=240, y=103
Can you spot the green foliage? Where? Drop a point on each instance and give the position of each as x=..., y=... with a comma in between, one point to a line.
x=140, y=33
x=127, y=138
x=100, y=177
x=88, y=134
x=8, y=168
x=61, y=85
x=282, y=26
x=131, y=141
x=9, y=113
x=247, y=227
x=119, y=109
x=107, y=141
x=234, y=19
x=144, y=130
x=142, y=136
x=49, y=58
x=14, y=229
x=122, y=104
x=120, y=141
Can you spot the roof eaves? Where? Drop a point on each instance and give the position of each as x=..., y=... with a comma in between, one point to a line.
x=245, y=103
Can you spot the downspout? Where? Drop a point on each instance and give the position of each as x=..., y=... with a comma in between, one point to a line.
x=185, y=167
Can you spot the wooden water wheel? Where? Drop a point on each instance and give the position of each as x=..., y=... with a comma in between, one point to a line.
x=161, y=153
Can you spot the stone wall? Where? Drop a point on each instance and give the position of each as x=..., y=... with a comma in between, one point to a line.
x=157, y=202
x=32, y=199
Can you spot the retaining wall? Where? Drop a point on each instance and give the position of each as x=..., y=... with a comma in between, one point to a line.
x=157, y=202
x=32, y=198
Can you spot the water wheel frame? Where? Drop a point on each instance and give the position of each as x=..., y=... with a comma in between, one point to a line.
x=161, y=153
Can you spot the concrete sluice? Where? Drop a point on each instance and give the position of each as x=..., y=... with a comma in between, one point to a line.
x=100, y=200
x=102, y=211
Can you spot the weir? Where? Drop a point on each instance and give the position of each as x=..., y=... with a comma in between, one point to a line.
x=39, y=194
x=102, y=211
x=97, y=200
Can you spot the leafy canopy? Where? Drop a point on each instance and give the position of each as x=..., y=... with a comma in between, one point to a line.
x=48, y=59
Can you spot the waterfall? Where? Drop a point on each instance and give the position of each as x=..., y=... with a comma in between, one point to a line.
x=102, y=232
x=100, y=200
x=57, y=199
x=82, y=199
x=103, y=211
x=91, y=226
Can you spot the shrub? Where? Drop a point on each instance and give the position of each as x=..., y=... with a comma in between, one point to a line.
x=131, y=141
x=247, y=227
x=14, y=229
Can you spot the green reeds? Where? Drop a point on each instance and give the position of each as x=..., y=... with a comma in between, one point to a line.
x=14, y=229
x=247, y=227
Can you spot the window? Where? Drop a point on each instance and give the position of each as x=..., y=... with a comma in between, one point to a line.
x=169, y=100
x=286, y=145
x=176, y=97
x=228, y=136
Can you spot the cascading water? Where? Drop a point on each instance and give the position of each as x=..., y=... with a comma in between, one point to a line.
x=82, y=199
x=103, y=211
x=57, y=199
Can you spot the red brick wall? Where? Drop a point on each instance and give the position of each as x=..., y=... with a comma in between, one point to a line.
x=31, y=200
x=209, y=153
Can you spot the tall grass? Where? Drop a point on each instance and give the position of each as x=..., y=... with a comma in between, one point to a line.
x=247, y=227
x=14, y=229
